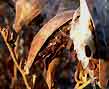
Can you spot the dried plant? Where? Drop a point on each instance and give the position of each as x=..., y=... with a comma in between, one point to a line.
x=47, y=53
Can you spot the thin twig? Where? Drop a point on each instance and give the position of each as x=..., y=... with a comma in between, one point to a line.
x=17, y=56
x=4, y=34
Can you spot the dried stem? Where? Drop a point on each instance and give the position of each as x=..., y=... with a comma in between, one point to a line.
x=85, y=84
x=4, y=35
x=81, y=77
x=17, y=56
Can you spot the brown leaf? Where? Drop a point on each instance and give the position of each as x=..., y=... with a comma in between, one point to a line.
x=51, y=72
x=26, y=10
x=44, y=34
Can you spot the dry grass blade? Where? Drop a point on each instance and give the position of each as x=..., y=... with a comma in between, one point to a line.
x=44, y=34
x=26, y=11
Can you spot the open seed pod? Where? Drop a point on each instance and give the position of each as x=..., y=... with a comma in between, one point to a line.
x=81, y=33
x=45, y=32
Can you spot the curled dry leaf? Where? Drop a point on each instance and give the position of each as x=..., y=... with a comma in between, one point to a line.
x=51, y=72
x=44, y=33
x=26, y=11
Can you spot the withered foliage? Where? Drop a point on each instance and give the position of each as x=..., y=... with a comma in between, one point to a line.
x=36, y=51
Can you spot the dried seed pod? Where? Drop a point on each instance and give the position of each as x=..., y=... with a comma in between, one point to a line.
x=26, y=11
x=82, y=34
